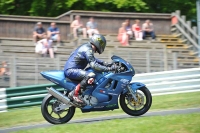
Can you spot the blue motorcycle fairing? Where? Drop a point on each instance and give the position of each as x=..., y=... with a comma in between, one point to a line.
x=58, y=77
x=106, y=89
x=108, y=97
x=135, y=86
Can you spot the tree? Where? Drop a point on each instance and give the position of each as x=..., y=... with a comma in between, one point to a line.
x=56, y=7
x=187, y=7
x=15, y=7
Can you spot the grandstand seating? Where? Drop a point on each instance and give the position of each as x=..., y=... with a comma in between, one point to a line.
x=140, y=54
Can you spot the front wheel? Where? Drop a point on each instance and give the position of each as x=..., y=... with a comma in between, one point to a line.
x=139, y=107
x=49, y=107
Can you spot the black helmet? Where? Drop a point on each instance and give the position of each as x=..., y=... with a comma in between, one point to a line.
x=99, y=42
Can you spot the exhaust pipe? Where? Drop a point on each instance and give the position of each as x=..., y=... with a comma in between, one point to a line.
x=59, y=96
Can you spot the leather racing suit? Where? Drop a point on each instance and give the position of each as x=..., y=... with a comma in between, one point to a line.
x=79, y=59
x=75, y=65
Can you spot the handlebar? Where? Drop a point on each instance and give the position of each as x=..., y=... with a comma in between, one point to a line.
x=120, y=67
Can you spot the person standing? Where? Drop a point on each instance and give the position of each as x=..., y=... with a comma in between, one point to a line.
x=92, y=27
x=148, y=29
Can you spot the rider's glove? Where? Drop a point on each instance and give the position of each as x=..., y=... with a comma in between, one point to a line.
x=107, y=64
x=114, y=67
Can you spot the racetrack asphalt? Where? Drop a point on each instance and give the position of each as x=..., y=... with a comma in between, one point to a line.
x=91, y=120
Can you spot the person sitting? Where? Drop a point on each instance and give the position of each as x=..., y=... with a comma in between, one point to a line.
x=39, y=32
x=128, y=29
x=43, y=46
x=148, y=29
x=122, y=35
x=4, y=69
x=137, y=30
x=92, y=27
x=77, y=27
x=54, y=33
x=79, y=59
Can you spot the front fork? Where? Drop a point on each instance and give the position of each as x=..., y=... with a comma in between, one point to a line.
x=133, y=87
x=133, y=93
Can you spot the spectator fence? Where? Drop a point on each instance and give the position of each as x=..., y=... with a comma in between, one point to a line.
x=26, y=70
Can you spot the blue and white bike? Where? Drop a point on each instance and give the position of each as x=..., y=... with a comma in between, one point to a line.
x=134, y=97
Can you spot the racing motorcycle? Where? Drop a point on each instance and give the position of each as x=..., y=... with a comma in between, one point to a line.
x=135, y=99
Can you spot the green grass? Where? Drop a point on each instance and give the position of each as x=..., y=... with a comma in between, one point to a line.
x=185, y=123
x=33, y=115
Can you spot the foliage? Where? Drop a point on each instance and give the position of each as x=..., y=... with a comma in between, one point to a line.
x=57, y=7
x=187, y=7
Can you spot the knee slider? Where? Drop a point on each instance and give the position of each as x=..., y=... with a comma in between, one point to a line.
x=91, y=75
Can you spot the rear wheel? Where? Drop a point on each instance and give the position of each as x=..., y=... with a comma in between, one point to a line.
x=139, y=107
x=51, y=113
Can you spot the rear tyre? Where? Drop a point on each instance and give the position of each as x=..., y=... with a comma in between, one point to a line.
x=136, y=108
x=48, y=106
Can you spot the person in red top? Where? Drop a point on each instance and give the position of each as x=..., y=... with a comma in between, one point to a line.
x=123, y=36
x=137, y=30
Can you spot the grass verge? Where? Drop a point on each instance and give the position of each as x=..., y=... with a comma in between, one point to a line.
x=33, y=115
x=185, y=123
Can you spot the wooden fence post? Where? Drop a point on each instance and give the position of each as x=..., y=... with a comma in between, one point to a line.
x=165, y=59
x=13, y=72
x=36, y=71
x=148, y=65
x=174, y=61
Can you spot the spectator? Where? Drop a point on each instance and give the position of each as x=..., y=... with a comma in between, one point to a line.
x=4, y=69
x=77, y=27
x=92, y=27
x=54, y=33
x=43, y=46
x=147, y=28
x=122, y=35
x=39, y=32
x=137, y=30
x=128, y=28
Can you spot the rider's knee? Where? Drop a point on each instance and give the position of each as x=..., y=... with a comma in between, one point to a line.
x=91, y=75
x=90, y=78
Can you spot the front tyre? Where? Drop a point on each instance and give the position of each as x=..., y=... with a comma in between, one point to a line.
x=48, y=108
x=136, y=108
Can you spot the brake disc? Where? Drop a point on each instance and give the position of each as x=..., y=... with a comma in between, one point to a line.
x=139, y=103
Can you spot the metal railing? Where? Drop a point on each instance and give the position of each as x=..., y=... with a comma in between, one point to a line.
x=166, y=82
x=189, y=33
x=171, y=81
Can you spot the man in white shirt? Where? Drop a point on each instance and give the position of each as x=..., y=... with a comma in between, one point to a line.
x=92, y=27
x=43, y=46
x=148, y=29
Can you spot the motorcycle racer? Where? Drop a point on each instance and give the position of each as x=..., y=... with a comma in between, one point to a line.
x=79, y=59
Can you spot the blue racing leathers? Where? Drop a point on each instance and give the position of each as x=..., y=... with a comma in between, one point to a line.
x=79, y=59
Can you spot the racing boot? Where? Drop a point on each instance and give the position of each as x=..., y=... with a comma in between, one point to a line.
x=74, y=95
